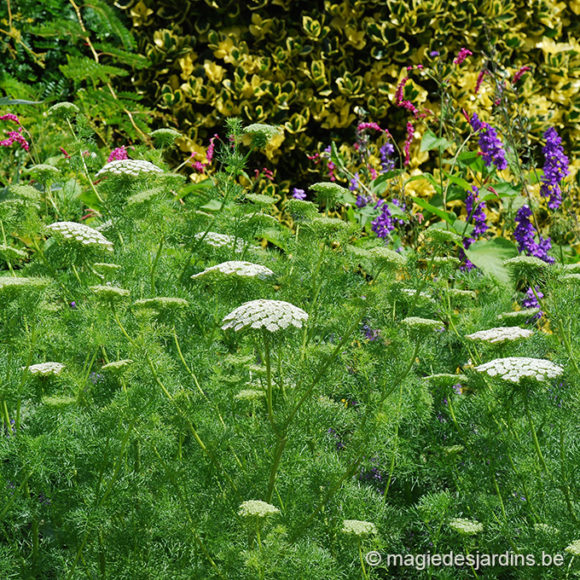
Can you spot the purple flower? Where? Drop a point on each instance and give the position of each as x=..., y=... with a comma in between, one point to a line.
x=474, y=212
x=298, y=193
x=362, y=201
x=491, y=146
x=386, y=162
x=531, y=301
x=384, y=224
x=73, y=304
x=370, y=333
x=354, y=182
x=555, y=168
x=434, y=53
x=525, y=234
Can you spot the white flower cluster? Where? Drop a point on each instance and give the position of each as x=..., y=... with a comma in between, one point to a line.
x=466, y=527
x=272, y=315
x=237, y=268
x=574, y=548
x=358, y=528
x=249, y=395
x=500, y=334
x=82, y=234
x=526, y=263
x=109, y=292
x=515, y=368
x=220, y=240
x=129, y=167
x=386, y=257
x=257, y=508
x=9, y=282
x=458, y=293
x=417, y=323
x=117, y=365
x=524, y=314
x=45, y=369
x=411, y=292
x=161, y=302
x=570, y=278
x=11, y=253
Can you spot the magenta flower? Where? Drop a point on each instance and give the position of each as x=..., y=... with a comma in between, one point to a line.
x=118, y=154
x=462, y=55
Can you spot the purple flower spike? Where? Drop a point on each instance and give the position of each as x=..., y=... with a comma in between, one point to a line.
x=525, y=234
x=491, y=146
x=384, y=224
x=555, y=168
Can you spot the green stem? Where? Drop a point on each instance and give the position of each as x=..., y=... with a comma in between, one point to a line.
x=534, y=436
x=155, y=262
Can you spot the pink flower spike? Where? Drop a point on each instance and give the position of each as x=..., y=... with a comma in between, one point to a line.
x=363, y=126
x=64, y=152
x=466, y=115
x=399, y=91
x=462, y=55
x=118, y=154
x=482, y=73
x=10, y=117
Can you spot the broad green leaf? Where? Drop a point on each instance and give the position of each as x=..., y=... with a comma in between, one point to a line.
x=505, y=189
x=431, y=141
x=449, y=217
x=458, y=181
x=489, y=255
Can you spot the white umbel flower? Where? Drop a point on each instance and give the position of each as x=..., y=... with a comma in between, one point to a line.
x=466, y=527
x=220, y=240
x=237, y=268
x=574, y=548
x=515, y=368
x=422, y=324
x=500, y=334
x=161, y=303
x=13, y=282
x=257, y=508
x=411, y=293
x=82, y=234
x=117, y=365
x=129, y=168
x=45, y=369
x=518, y=315
x=272, y=315
x=358, y=528
x=108, y=292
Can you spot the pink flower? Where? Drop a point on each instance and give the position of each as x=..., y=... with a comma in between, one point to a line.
x=480, y=80
x=363, y=126
x=118, y=154
x=10, y=117
x=462, y=55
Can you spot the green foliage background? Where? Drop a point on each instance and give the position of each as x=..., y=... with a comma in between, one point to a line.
x=308, y=65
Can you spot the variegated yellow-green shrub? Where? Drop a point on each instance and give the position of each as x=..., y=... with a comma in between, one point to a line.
x=307, y=66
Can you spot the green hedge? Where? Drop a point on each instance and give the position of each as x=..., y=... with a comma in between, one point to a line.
x=307, y=66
